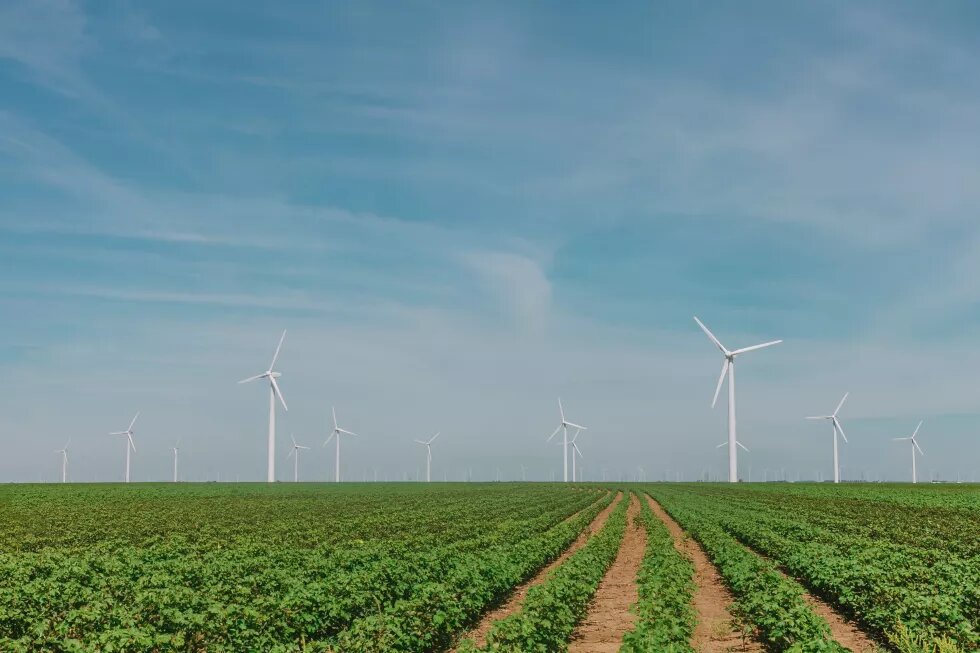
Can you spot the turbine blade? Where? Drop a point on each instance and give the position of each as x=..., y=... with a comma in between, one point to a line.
x=275, y=388
x=916, y=432
x=721, y=379
x=577, y=450
x=333, y=410
x=291, y=451
x=580, y=428
x=561, y=410
x=840, y=429
x=900, y=439
x=299, y=446
x=251, y=378
x=754, y=347
x=712, y=336
x=291, y=437
x=136, y=417
x=346, y=432
x=131, y=443
x=723, y=444
x=119, y=433
x=275, y=357
x=421, y=442
x=744, y=448
x=329, y=438
x=820, y=417
x=554, y=433
x=837, y=410
x=921, y=452
x=433, y=438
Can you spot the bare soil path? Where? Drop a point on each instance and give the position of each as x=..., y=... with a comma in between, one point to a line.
x=513, y=603
x=609, y=615
x=715, y=631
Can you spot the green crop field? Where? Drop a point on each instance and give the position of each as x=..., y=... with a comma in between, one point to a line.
x=412, y=567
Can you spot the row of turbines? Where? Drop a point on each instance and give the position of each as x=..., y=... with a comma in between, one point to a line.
x=337, y=433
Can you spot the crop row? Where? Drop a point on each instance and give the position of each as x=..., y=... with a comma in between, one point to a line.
x=665, y=616
x=552, y=609
x=442, y=608
x=178, y=594
x=765, y=598
x=890, y=588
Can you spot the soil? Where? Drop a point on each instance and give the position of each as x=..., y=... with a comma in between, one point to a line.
x=609, y=615
x=715, y=631
x=513, y=603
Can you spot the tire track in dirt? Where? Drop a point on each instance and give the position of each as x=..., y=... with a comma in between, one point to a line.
x=609, y=615
x=715, y=631
x=513, y=603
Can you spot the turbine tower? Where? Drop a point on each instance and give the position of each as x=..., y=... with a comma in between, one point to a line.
x=575, y=452
x=336, y=433
x=428, y=456
x=273, y=393
x=563, y=427
x=294, y=452
x=175, y=449
x=728, y=369
x=837, y=429
x=130, y=445
x=64, y=461
x=915, y=445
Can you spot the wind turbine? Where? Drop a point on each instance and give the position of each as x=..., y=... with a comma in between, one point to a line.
x=273, y=393
x=563, y=427
x=728, y=368
x=64, y=461
x=837, y=429
x=336, y=433
x=295, y=453
x=575, y=451
x=428, y=456
x=175, y=449
x=129, y=444
x=915, y=445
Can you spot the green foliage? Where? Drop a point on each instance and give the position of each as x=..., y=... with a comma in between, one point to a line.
x=770, y=602
x=552, y=609
x=231, y=568
x=665, y=617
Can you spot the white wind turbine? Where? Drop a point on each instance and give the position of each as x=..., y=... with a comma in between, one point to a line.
x=273, y=393
x=575, y=452
x=728, y=369
x=428, y=456
x=130, y=445
x=837, y=429
x=915, y=445
x=64, y=461
x=175, y=449
x=294, y=451
x=563, y=427
x=336, y=433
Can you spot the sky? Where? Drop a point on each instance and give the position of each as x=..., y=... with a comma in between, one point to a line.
x=462, y=211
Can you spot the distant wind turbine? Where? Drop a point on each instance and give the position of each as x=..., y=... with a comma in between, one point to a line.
x=294, y=452
x=273, y=393
x=837, y=429
x=563, y=427
x=64, y=461
x=728, y=369
x=175, y=449
x=336, y=433
x=130, y=445
x=428, y=456
x=915, y=445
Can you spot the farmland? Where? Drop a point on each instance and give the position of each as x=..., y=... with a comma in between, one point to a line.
x=412, y=567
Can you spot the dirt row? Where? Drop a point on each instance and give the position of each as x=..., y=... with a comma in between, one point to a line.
x=715, y=632
x=609, y=616
x=513, y=603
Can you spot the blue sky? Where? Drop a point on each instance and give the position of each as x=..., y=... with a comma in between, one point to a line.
x=460, y=212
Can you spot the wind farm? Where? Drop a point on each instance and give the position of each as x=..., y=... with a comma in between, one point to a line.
x=455, y=216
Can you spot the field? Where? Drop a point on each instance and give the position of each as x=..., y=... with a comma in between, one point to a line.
x=489, y=567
